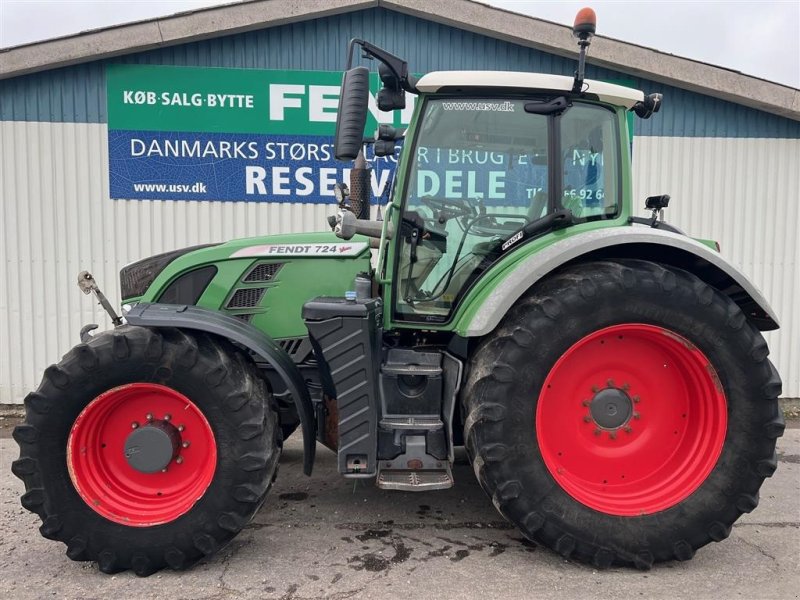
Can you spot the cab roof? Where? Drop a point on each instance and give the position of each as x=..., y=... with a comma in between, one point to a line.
x=606, y=92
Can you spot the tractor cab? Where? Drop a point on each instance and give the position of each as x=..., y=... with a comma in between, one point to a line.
x=490, y=170
x=490, y=161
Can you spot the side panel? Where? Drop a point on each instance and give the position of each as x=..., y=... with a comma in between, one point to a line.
x=301, y=267
x=483, y=314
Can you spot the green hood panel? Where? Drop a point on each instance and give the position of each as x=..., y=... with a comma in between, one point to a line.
x=266, y=280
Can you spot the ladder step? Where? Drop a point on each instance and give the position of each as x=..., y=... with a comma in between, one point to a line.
x=415, y=481
x=427, y=370
x=411, y=423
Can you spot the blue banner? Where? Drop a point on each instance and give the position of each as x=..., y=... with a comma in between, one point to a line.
x=160, y=165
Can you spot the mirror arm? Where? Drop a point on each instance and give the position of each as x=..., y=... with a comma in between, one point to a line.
x=397, y=65
x=350, y=47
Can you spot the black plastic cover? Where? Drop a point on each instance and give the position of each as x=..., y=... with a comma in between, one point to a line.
x=326, y=307
x=346, y=339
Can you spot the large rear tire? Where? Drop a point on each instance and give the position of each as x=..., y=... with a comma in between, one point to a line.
x=144, y=449
x=623, y=413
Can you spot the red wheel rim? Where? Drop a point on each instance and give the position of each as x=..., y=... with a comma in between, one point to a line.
x=638, y=462
x=105, y=478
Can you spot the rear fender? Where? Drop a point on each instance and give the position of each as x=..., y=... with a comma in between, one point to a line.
x=212, y=321
x=623, y=242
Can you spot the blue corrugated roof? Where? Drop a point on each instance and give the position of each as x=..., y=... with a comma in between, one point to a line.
x=78, y=94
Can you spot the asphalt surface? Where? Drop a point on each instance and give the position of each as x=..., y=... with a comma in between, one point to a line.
x=326, y=537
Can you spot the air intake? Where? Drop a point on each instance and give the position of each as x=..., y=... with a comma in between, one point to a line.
x=246, y=298
x=263, y=272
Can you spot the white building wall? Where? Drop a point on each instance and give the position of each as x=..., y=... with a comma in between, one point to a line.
x=57, y=219
x=744, y=193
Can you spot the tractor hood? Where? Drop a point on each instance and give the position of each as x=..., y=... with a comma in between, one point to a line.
x=262, y=280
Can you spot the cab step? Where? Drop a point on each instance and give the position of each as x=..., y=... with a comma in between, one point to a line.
x=412, y=422
x=409, y=480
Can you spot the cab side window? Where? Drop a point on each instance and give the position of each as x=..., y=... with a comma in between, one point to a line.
x=589, y=161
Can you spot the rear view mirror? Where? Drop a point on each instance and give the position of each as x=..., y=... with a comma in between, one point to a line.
x=391, y=96
x=351, y=117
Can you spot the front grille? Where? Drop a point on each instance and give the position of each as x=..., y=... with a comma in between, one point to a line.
x=246, y=298
x=263, y=272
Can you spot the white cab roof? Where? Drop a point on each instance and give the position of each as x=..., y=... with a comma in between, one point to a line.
x=606, y=92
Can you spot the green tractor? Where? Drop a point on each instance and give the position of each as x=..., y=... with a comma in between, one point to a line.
x=605, y=372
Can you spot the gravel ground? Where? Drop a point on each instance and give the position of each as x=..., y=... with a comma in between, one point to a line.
x=326, y=537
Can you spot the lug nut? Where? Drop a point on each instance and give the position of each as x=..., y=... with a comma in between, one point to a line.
x=585, y=403
x=181, y=427
x=185, y=444
x=610, y=383
x=134, y=425
x=636, y=415
x=595, y=389
x=628, y=429
x=587, y=418
x=167, y=417
x=597, y=432
x=613, y=435
x=164, y=470
x=149, y=416
x=635, y=399
x=179, y=460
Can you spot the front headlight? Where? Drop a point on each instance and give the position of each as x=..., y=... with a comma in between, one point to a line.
x=136, y=277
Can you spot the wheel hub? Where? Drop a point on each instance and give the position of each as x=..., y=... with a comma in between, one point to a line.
x=611, y=408
x=149, y=449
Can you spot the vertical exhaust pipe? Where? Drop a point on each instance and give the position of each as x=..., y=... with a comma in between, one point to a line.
x=360, y=192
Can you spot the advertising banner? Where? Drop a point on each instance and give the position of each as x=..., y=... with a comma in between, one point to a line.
x=187, y=133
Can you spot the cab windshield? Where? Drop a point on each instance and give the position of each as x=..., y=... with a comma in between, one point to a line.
x=481, y=170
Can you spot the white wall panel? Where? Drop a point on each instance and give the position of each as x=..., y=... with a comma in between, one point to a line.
x=744, y=193
x=57, y=219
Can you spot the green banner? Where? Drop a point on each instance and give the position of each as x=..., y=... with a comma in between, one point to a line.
x=217, y=100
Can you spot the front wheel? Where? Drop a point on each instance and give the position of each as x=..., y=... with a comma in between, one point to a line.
x=145, y=449
x=623, y=413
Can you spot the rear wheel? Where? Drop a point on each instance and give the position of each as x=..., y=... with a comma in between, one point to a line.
x=147, y=448
x=623, y=413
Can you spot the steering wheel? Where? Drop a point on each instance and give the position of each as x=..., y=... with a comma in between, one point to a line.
x=456, y=207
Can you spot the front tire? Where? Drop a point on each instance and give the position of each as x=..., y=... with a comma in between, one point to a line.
x=144, y=449
x=623, y=413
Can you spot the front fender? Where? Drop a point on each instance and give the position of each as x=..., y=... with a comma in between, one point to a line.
x=620, y=242
x=212, y=321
